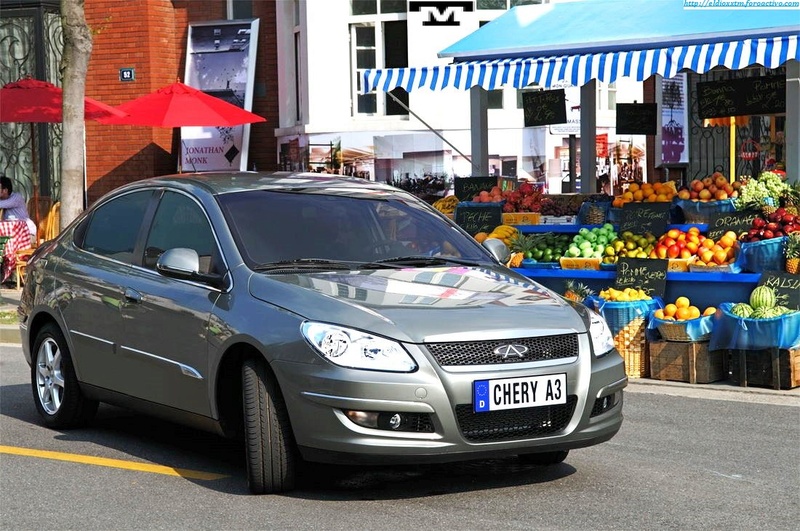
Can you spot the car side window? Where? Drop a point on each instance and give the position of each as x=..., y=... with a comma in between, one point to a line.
x=180, y=222
x=114, y=227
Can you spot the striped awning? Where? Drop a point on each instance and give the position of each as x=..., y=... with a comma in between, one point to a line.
x=577, y=70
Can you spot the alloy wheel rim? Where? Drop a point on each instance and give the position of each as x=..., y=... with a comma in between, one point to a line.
x=49, y=376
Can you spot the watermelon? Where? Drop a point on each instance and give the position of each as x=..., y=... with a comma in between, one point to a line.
x=742, y=309
x=760, y=313
x=762, y=297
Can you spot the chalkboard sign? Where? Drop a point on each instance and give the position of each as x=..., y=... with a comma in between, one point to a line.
x=786, y=286
x=544, y=107
x=475, y=219
x=741, y=97
x=721, y=222
x=649, y=274
x=636, y=118
x=639, y=218
x=466, y=188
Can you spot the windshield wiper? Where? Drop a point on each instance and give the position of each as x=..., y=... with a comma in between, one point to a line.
x=422, y=260
x=317, y=264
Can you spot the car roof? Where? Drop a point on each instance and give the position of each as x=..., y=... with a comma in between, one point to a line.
x=218, y=183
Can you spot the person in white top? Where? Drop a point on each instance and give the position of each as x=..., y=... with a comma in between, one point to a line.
x=13, y=205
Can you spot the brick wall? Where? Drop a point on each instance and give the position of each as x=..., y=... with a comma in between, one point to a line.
x=150, y=36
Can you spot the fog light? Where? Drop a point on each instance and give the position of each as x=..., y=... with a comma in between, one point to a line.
x=395, y=421
x=368, y=419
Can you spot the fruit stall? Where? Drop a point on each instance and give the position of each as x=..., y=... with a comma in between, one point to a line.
x=726, y=303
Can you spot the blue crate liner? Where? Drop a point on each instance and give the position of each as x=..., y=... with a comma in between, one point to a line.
x=608, y=267
x=533, y=264
x=692, y=330
x=619, y=314
x=739, y=333
x=766, y=255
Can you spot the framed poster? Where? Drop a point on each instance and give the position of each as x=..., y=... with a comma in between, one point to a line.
x=672, y=142
x=221, y=61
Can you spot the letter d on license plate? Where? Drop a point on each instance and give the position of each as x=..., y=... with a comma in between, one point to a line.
x=515, y=393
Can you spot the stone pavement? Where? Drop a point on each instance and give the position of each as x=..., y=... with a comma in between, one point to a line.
x=10, y=334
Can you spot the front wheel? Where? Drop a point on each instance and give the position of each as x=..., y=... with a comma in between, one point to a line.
x=56, y=391
x=544, y=458
x=271, y=451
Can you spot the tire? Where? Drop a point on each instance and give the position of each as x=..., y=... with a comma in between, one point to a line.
x=544, y=458
x=270, y=449
x=56, y=391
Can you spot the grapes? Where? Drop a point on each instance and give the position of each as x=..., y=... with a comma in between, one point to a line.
x=765, y=190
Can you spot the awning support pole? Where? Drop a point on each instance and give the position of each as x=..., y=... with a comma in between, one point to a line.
x=589, y=136
x=435, y=132
x=792, y=128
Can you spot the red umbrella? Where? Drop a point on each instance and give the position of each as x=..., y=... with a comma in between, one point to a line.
x=31, y=100
x=180, y=105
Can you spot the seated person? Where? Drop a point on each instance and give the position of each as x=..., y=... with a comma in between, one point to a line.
x=13, y=205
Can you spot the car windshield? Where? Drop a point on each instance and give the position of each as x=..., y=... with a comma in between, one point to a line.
x=361, y=227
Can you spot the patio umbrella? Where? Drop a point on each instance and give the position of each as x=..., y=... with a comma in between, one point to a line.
x=33, y=101
x=179, y=105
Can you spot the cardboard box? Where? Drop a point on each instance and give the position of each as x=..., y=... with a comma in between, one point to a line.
x=689, y=362
x=774, y=368
x=521, y=218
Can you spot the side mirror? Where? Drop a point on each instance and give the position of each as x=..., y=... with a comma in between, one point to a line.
x=184, y=263
x=498, y=249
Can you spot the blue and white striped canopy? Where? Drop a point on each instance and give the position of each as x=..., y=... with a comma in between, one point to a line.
x=578, y=69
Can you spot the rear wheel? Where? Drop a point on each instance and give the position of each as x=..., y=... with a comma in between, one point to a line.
x=56, y=392
x=271, y=452
x=544, y=458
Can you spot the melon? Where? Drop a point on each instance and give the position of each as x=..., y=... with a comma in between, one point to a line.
x=762, y=297
x=742, y=309
x=760, y=313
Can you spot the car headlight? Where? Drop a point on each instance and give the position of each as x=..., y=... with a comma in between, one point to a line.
x=352, y=348
x=602, y=340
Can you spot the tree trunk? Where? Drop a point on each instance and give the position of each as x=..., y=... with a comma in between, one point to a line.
x=74, y=65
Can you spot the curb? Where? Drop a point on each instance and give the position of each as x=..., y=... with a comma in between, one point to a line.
x=10, y=334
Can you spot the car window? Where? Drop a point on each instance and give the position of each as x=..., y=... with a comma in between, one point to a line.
x=114, y=226
x=180, y=222
x=271, y=226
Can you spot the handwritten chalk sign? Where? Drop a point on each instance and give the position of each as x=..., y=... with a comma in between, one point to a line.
x=637, y=118
x=649, y=274
x=741, y=97
x=639, y=218
x=786, y=286
x=721, y=222
x=544, y=107
x=466, y=188
x=475, y=219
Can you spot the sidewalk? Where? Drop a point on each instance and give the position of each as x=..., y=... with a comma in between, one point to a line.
x=10, y=334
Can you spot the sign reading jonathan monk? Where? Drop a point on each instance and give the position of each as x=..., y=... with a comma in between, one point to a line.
x=544, y=107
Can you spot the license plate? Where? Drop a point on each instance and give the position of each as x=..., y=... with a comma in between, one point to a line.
x=515, y=393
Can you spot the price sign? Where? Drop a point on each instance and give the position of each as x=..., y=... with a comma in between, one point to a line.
x=740, y=97
x=786, y=286
x=545, y=107
x=475, y=219
x=721, y=222
x=636, y=118
x=649, y=274
x=639, y=218
x=466, y=188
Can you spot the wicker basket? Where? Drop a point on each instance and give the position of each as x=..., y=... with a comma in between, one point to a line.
x=631, y=344
x=677, y=332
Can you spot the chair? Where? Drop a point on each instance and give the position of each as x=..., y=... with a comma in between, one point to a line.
x=48, y=229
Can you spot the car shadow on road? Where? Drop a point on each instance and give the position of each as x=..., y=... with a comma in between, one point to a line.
x=156, y=441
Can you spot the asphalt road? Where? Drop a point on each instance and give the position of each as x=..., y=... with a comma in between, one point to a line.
x=685, y=459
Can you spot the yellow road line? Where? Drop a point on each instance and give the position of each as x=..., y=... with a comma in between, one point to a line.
x=113, y=463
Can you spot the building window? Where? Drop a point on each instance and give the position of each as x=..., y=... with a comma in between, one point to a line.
x=495, y=99
x=606, y=96
x=238, y=9
x=378, y=40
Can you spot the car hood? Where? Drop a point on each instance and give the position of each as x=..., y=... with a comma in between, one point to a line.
x=423, y=304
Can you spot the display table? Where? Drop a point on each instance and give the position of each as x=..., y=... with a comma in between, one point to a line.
x=17, y=230
x=704, y=289
x=573, y=229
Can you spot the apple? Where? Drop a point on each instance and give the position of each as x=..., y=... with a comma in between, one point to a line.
x=674, y=233
x=704, y=194
x=759, y=222
x=767, y=234
x=661, y=251
x=673, y=251
x=787, y=218
x=697, y=185
x=778, y=233
x=686, y=254
x=773, y=226
x=707, y=181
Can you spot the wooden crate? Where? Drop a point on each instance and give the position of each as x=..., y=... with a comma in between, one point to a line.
x=689, y=362
x=775, y=368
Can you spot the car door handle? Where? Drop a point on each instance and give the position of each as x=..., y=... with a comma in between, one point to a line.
x=132, y=296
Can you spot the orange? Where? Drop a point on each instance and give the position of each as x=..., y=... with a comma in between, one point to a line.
x=708, y=243
x=710, y=311
x=682, y=302
x=694, y=312
x=652, y=198
x=658, y=314
x=638, y=195
x=681, y=314
x=670, y=309
x=726, y=241
x=633, y=187
x=627, y=197
x=481, y=236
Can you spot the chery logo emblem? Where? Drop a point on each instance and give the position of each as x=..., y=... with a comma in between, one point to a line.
x=441, y=13
x=510, y=351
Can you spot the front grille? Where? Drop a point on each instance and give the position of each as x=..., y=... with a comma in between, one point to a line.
x=514, y=423
x=482, y=352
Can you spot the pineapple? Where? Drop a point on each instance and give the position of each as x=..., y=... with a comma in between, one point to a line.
x=793, y=253
x=576, y=291
x=790, y=198
x=522, y=243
